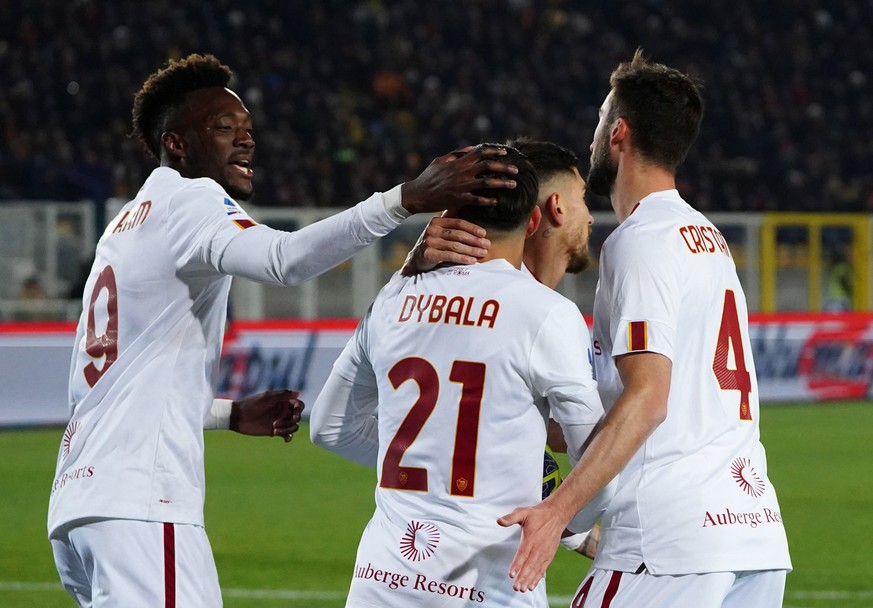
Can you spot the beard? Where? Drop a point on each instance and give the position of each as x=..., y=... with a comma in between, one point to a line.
x=603, y=171
x=579, y=260
x=580, y=255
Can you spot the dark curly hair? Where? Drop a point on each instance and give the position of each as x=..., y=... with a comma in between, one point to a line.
x=163, y=92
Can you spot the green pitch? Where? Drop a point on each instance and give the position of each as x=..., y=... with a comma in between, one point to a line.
x=284, y=520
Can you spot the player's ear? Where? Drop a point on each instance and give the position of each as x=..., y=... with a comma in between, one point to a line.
x=553, y=211
x=173, y=144
x=534, y=222
x=620, y=131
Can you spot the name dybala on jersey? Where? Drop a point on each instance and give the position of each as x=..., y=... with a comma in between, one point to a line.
x=696, y=496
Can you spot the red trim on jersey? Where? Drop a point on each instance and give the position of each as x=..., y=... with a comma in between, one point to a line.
x=244, y=223
x=637, y=335
x=634, y=209
x=169, y=566
x=611, y=590
x=579, y=600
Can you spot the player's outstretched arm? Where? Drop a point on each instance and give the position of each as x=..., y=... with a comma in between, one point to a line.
x=451, y=180
x=275, y=257
x=272, y=413
x=446, y=240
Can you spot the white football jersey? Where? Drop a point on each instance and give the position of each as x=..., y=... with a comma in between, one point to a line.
x=148, y=342
x=695, y=497
x=469, y=362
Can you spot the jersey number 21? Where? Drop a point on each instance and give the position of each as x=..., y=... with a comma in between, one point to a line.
x=471, y=376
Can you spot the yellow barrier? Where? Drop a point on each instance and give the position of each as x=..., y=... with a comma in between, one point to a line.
x=860, y=246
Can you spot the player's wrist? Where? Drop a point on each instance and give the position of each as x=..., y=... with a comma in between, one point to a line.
x=393, y=201
x=219, y=416
x=574, y=541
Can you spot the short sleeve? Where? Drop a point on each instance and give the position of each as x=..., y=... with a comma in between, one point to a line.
x=560, y=367
x=643, y=317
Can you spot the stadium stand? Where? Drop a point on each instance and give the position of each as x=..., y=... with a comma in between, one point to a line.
x=350, y=97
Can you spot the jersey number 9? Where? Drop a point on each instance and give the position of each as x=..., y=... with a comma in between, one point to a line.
x=105, y=344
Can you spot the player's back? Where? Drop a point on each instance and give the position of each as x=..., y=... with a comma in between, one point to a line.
x=465, y=381
x=695, y=497
x=459, y=427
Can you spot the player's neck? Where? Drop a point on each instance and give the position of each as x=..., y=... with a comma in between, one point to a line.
x=508, y=247
x=545, y=264
x=634, y=182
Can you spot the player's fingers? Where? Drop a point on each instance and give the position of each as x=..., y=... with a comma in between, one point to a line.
x=469, y=198
x=510, y=519
x=437, y=248
x=463, y=232
x=496, y=182
x=485, y=152
x=493, y=166
x=517, y=565
x=286, y=433
x=456, y=154
x=530, y=574
x=439, y=226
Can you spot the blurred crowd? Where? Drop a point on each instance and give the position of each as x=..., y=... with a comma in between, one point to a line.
x=352, y=96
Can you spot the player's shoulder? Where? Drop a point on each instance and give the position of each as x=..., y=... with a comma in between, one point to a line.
x=166, y=183
x=543, y=303
x=653, y=228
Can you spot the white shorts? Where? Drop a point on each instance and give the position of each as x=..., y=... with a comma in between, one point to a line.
x=131, y=563
x=612, y=589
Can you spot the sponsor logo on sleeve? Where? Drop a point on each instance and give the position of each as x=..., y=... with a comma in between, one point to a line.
x=234, y=210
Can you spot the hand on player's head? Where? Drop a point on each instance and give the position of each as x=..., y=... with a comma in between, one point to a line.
x=449, y=181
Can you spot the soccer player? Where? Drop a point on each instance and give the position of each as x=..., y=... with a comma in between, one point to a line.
x=695, y=520
x=446, y=387
x=126, y=510
x=558, y=246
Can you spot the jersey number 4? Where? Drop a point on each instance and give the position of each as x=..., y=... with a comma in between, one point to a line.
x=731, y=338
x=471, y=376
x=105, y=344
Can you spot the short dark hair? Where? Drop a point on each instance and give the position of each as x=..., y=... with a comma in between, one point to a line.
x=663, y=106
x=548, y=159
x=164, y=91
x=514, y=205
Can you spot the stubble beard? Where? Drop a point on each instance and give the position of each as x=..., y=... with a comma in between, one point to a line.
x=603, y=172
